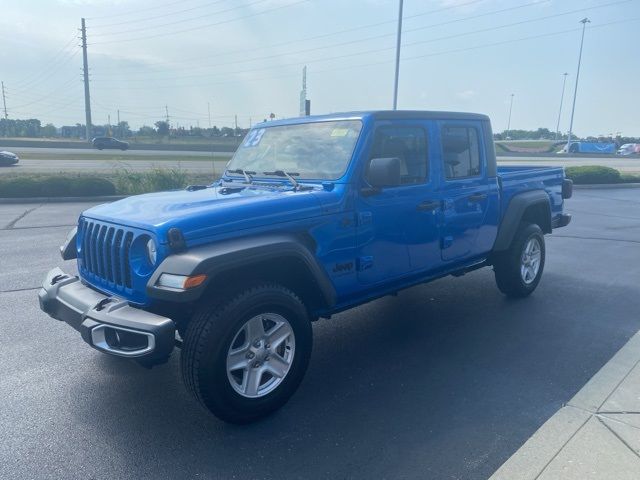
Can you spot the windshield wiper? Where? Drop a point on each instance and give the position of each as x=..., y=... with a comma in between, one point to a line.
x=247, y=174
x=288, y=175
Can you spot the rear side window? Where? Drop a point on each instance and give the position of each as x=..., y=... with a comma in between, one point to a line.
x=409, y=144
x=461, y=152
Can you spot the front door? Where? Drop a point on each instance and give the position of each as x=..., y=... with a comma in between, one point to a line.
x=398, y=226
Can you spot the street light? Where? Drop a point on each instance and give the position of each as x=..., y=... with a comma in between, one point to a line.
x=398, y=40
x=510, y=109
x=564, y=83
x=584, y=22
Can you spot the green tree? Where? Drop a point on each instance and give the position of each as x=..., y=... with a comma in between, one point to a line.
x=49, y=130
x=146, y=131
x=123, y=129
x=162, y=127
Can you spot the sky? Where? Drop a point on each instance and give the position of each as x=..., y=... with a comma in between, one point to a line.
x=197, y=59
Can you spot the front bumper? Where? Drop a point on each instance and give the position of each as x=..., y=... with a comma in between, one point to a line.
x=108, y=324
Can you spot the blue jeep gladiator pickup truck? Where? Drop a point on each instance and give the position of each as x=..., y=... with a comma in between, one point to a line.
x=312, y=216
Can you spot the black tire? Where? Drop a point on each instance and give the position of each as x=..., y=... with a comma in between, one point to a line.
x=507, y=265
x=209, y=336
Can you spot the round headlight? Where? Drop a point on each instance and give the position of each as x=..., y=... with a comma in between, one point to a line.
x=152, y=252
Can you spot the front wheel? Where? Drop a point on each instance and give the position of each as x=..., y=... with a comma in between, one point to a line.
x=245, y=357
x=519, y=269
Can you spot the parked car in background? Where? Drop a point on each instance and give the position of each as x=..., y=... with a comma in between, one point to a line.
x=109, y=142
x=8, y=158
x=629, y=149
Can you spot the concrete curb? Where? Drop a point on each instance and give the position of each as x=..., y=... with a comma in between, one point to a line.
x=545, y=445
x=13, y=201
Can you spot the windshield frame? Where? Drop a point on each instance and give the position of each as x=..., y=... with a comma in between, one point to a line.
x=302, y=121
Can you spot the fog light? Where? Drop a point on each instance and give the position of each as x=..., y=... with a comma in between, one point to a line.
x=180, y=282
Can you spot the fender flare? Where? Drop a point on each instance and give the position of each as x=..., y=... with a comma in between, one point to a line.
x=223, y=257
x=514, y=213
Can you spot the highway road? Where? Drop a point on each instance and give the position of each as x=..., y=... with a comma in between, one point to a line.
x=90, y=152
x=88, y=160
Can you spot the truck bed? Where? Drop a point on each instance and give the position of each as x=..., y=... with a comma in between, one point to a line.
x=515, y=179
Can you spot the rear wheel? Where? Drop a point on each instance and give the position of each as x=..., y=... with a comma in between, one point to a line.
x=244, y=358
x=519, y=269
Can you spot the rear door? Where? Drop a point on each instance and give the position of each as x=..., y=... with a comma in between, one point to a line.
x=465, y=188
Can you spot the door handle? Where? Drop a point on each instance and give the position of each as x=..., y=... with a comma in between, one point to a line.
x=428, y=205
x=478, y=197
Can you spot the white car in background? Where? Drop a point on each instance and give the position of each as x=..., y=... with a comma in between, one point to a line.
x=629, y=149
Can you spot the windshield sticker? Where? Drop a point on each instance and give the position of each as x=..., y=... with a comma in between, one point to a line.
x=254, y=137
x=339, y=132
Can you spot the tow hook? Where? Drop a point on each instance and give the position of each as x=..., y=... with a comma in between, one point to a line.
x=57, y=278
x=102, y=303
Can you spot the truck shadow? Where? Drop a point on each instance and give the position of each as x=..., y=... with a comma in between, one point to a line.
x=450, y=374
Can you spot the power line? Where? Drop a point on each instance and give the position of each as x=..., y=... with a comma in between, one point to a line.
x=173, y=14
x=46, y=74
x=368, y=39
x=361, y=40
x=52, y=61
x=169, y=14
x=48, y=95
x=384, y=62
x=316, y=37
x=133, y=12
x=370, y=51
x=165, y=34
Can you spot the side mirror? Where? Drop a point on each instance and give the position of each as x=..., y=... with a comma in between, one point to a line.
x=384, y=172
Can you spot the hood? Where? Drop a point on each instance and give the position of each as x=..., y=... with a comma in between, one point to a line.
x=211, y=211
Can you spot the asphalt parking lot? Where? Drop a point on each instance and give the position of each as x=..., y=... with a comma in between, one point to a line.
x=444, y=381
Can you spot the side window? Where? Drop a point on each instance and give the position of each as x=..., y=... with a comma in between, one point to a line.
x=460, y=152
x=409, y=144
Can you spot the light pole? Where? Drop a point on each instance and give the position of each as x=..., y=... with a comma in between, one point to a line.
x=564, y=83
x=398, y=41
x=510, y=110
x=584, y=22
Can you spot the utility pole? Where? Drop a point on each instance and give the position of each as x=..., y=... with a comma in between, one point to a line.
x=564, y=83
x=85, y=71
x=166, y=112
x=398, y=41
x=209, y=112
x=235, y=132
x=303, y=92
x=584, y=22
x=119, y=128
x=510, y=110
x=4, y=102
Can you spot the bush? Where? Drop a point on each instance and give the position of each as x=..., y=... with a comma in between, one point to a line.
x=593, y=174
x=91, y=187
x=158, y=179
x=55, y=186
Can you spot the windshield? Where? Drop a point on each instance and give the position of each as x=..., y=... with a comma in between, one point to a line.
x=320, y=150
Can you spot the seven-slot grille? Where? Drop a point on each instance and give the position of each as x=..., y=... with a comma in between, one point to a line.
x=105, y=252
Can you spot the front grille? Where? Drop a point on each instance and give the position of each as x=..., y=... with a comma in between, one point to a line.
x=105, y=252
